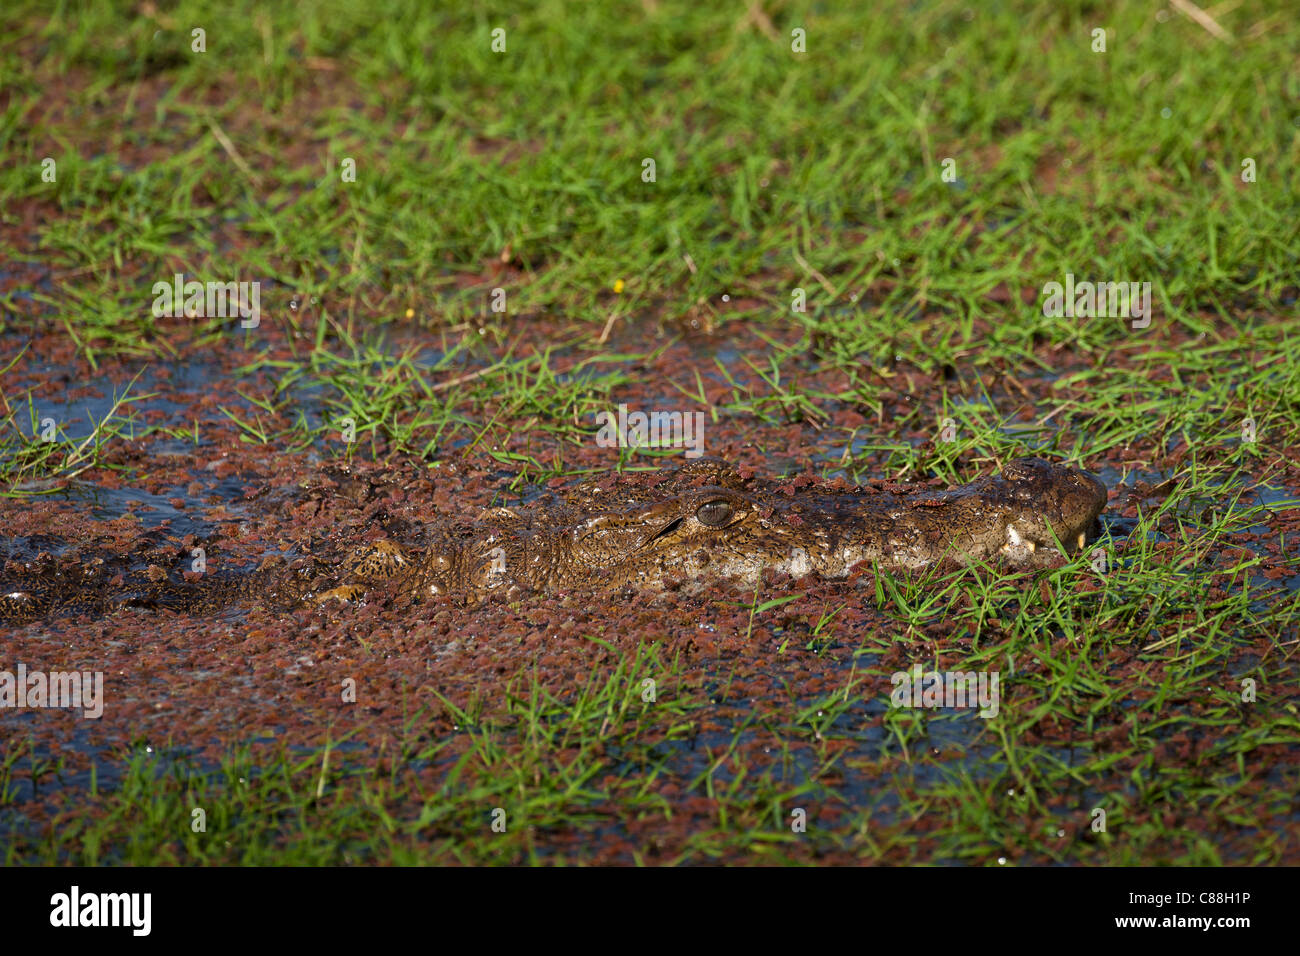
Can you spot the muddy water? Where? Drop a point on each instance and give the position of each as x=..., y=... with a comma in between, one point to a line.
x=222, y=485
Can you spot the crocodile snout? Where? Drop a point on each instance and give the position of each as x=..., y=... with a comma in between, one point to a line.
x=1060, y=503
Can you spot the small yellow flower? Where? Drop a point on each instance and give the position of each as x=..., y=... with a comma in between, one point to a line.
x=618, y=286
x=410, y=313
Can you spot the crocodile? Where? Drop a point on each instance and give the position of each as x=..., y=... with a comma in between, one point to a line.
x=700, y=522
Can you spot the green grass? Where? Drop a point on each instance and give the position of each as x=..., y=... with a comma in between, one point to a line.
x=764, y=157
x=775, y=171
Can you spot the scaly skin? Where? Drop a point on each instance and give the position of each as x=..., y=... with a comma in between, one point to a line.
x=702, y=522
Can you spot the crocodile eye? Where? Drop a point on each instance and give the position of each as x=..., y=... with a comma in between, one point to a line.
x=714, y=514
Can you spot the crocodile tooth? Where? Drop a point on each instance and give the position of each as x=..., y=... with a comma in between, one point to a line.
x=1015, y=541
